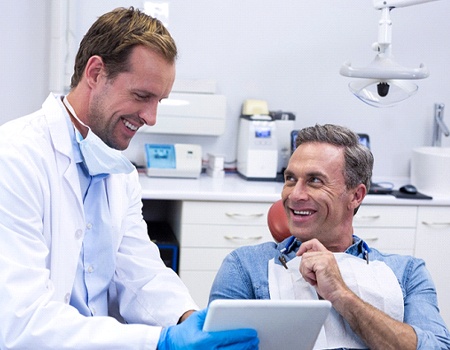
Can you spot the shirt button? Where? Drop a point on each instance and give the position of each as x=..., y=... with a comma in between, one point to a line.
x=90, y=269
x=88, y=225
x=78, y=234
x=67, y=298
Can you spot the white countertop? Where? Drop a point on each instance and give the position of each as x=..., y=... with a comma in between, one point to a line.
x=206, y=188
x=234, y=188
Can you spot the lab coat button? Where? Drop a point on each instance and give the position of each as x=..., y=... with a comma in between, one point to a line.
x=78, y=234
x=67, y=298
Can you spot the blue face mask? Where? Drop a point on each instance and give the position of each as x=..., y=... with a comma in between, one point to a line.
x=98, y=157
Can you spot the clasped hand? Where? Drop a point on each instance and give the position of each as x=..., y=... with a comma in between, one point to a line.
x=319, y=268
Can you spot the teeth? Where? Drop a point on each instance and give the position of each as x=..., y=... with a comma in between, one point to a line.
x=130, y=126
x=302, y=212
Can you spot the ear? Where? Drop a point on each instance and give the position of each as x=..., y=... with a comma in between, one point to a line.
x=94, y=70
x=358, y=195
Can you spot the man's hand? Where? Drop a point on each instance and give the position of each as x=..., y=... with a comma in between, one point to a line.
x=319, y=268
x=378, y=330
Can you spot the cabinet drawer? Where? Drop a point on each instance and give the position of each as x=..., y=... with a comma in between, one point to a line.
x=224, y=213
x=388, y=240
x=387, y=216
x=225, y=236
x=435, y=217
x=202, y=259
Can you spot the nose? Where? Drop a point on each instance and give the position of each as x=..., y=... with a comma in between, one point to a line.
x=299, y=192
x=148, y=115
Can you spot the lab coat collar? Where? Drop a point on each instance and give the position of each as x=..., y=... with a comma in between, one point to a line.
x=57, y=119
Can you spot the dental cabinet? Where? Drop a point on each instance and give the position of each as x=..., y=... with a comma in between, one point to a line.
x=212, y=216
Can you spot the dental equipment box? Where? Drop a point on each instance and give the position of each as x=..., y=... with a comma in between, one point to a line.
x=173, y=160
x=190, y=114
x=257, y=148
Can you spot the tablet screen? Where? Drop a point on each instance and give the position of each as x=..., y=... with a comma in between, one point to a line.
x=281, y=324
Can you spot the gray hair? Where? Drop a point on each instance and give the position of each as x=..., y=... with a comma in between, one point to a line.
x=358, y=158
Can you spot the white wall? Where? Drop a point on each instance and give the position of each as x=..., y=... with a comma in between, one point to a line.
x=24, y=51
x=289, y=53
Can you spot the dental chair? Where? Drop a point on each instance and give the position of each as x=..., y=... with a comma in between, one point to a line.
x=278, y=222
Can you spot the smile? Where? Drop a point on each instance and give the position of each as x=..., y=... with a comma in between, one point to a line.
x=130, y=126
x=303, y=212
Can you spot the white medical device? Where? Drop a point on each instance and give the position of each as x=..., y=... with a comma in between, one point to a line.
x=257, y=149
x=173, y=160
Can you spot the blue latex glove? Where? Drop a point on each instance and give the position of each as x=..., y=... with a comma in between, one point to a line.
x=189, y=335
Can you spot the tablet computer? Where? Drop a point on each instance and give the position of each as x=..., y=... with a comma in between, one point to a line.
x=281, y=324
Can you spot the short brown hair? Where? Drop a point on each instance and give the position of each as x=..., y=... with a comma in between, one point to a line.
x=113, y=36
x=358, y=158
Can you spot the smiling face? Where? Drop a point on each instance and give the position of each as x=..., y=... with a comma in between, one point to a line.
x=315, y=196
x=118, y=107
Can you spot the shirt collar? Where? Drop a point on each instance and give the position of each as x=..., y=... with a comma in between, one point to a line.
x=290, y=246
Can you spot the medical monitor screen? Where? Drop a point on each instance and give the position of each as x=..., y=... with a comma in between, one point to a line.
x=160, y=156
x=262, y=133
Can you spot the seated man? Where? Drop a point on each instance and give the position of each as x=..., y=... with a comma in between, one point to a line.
x=380, y=301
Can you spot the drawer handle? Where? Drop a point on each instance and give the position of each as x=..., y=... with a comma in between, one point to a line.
x=239, y=238
x=367, y=217
x=436, y=223
x=244, y=216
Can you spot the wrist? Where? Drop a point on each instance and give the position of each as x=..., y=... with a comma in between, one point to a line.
x=185, y=316
x=345, y=301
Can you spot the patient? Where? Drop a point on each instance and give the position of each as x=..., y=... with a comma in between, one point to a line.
x=380, y=301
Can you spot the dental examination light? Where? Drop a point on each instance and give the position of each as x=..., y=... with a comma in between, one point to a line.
x=384, y=82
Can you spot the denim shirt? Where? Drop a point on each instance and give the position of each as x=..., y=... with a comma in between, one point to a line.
x=244, y=275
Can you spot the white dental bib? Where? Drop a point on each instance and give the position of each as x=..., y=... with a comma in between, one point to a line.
x=374, y=283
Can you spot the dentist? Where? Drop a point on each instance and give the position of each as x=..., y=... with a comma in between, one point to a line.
x=78, y=268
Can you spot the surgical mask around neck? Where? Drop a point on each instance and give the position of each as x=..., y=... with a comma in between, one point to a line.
x=98, y=157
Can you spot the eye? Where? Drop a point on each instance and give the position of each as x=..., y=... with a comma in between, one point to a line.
x=315, y=180
x=141, y=96
x=289, y=179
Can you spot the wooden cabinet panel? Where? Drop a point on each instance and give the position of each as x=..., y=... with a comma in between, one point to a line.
x=224, y=213
x=389, y=240
x=433, y=242
x=211, y=230
x=386, y=216
x=230, y=236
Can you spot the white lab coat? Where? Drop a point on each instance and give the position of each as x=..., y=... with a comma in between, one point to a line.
x=42, y=229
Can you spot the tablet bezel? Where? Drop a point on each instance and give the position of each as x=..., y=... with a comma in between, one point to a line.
x=281, y=324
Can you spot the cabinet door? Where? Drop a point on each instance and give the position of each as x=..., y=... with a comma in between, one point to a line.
x=389, y=240
x=385, y=216
x=211, y=230
x=225, y=213
x=227, y=236
x=432, y=245
x=388, y=228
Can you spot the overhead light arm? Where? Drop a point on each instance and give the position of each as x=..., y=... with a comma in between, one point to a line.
x=383, y=71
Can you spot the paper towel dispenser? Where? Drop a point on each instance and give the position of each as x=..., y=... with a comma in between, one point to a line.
x=190, y=114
